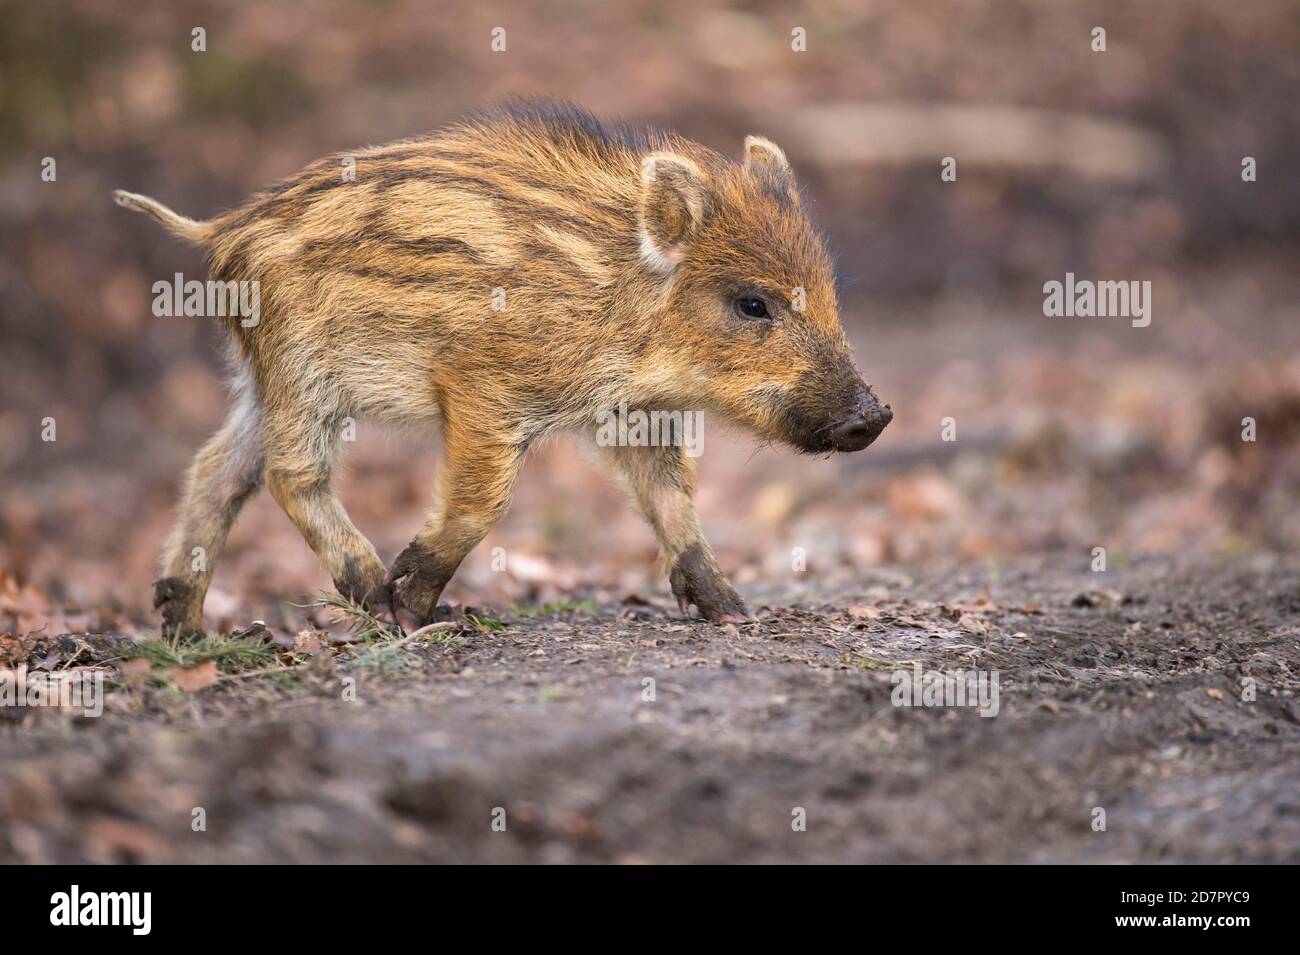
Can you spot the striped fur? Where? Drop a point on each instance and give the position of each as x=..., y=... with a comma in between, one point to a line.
x=619, y=254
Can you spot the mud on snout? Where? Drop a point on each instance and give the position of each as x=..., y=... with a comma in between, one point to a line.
x=820, y=416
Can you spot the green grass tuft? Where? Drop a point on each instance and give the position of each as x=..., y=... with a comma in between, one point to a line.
x=359, y=620
x=483, y=624
x=231, y=654
x=558, y=608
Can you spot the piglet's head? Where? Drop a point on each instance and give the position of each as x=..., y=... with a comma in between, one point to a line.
x=749, y=299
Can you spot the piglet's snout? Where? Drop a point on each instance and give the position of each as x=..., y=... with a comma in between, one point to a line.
x=863, y=426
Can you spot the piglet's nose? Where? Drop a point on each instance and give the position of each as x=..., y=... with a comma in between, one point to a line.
x=861, y=428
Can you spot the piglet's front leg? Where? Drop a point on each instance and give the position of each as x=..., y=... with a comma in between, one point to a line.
x=662, y=479
x=476, y=482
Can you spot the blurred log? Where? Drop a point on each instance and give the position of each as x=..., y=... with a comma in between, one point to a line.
x=982, y=135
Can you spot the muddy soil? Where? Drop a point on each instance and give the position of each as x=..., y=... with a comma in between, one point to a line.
x=1162, y=693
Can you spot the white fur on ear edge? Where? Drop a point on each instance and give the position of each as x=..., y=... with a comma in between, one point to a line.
x=683, y=177
x=659, y=261
x=760, y=145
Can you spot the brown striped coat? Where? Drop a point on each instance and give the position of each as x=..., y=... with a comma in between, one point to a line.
x=508, y=278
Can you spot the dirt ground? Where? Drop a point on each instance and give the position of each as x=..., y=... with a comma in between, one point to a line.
x=1120, y=690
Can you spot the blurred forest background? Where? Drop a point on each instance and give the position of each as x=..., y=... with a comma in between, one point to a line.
x=1071, y=433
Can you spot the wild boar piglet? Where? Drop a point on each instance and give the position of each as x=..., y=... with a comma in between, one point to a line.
x=522, y=273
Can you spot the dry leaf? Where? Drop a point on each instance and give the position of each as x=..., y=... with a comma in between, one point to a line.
x=14, y=650
x=307, y=643
x=863, y=612
x=115, y=840
x=192, y=679
x=135, y=670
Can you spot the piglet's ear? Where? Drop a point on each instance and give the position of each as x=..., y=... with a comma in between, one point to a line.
x=765, y=161
x=672, y=205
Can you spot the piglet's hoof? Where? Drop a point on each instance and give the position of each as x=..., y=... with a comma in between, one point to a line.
x=696, y=579
x=417, y=579
x=179, y=602
x=364, y=582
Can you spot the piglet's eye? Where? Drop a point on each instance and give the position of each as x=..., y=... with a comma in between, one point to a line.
x=749, y=306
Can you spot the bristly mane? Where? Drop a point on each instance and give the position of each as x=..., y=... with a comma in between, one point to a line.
x=568, y=124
